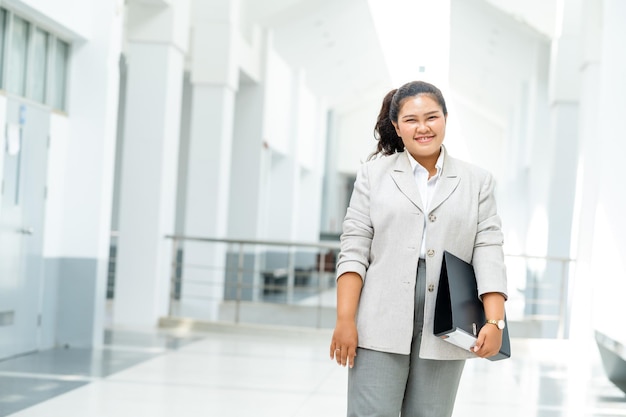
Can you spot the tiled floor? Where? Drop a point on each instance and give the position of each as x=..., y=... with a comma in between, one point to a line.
x=252, y=371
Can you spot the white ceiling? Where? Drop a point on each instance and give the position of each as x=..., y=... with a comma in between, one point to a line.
x=336, y=43
x=333, y=40
x=493, y=56
x=541, y=15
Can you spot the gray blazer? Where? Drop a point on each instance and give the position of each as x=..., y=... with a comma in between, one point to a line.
x=381, y=239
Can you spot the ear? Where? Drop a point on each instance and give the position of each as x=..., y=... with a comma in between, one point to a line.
x=395, y=124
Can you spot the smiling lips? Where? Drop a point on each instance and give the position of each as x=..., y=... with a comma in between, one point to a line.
x=424, y=138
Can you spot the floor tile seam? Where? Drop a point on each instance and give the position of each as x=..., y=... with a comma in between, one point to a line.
x=539, y=406
x=322, y=359
x=128, y=348
x=269, y=333
x=263, y=357
x=215, y=386
x=264, y=341
x=54, y=377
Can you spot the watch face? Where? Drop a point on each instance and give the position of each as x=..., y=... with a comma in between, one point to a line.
x=501, y=324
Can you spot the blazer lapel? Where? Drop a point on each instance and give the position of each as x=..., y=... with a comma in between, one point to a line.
x=448, y=182
x=404, y=179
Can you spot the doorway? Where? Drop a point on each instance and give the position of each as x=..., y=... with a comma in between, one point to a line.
x=22, y=205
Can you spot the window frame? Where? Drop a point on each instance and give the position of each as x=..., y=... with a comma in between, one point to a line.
x=52, y=94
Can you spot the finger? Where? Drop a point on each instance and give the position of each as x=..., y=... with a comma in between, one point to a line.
x=485, y=353
x=338, y=355
x=344, y=356
x=332, y=351
x=487, y=349
x=351, y=357
x=477, y=345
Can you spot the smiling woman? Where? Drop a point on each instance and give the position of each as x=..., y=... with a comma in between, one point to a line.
x=411, y=202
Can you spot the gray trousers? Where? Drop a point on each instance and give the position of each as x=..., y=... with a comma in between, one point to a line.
x=386, y=384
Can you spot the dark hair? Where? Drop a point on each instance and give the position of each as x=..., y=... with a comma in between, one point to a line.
x=384, y=131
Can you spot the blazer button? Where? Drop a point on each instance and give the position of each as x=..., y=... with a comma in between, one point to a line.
x=430, y=253
x=432, y=217
x=431, y=288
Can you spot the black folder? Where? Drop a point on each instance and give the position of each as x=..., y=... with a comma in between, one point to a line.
x=459, y=313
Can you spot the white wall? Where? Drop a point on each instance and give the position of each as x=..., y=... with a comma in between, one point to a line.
x=308, y=209
x=57, y=174
x=308, y=139
x=355, y=136
x=474, y=137
x=92, y=106
x=278, y=105
x=280, y=188
x=310, y=149
x=247, y=157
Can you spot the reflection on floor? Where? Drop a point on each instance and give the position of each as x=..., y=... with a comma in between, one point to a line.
x=240, y=371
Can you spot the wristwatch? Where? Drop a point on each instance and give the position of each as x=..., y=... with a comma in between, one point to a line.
x=500, y=324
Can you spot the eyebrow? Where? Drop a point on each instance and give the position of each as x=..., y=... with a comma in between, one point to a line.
x=425, y=114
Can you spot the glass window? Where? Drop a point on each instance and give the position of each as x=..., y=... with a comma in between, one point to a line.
x=61, y=54
x=18, y=56
x=39, y=67
x=3, y=17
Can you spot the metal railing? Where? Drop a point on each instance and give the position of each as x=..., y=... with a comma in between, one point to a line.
x=249, y=274
x=539, y=294
x=292, y=283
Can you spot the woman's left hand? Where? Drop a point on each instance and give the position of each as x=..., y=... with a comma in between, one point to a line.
x=489, y=341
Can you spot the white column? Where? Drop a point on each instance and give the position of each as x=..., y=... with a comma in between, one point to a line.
x=214, y=78
x=157, y=41
x=589, y=177
x=80, y=196
x=605, y=149
x=553, y=170
x=247, y=182
x=564, y=95
x=589, y=168
x=333, y=210
x=309, y=149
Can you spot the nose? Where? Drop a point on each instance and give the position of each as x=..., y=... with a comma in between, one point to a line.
x=421, y=127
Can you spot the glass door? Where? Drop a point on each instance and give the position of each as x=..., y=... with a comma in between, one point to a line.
x=22, y=203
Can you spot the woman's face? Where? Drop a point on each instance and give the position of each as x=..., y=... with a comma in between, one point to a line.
x=422, y=126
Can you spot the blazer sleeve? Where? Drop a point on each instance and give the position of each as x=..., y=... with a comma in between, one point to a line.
x=356, y=239
x=488, y=256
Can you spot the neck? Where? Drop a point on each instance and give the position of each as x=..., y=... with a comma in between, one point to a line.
x=428, y=162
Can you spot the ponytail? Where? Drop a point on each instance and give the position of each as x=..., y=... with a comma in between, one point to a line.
x=385, y=132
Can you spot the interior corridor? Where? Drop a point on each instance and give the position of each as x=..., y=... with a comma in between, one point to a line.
x=229, y=370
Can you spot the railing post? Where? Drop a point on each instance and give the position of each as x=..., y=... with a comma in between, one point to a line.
x=173, y=273
x=291, y=270
x=239, y=283
x=321, y=286
x=563, y=299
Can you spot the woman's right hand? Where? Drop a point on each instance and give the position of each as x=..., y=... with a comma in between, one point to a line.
x=344, y=342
